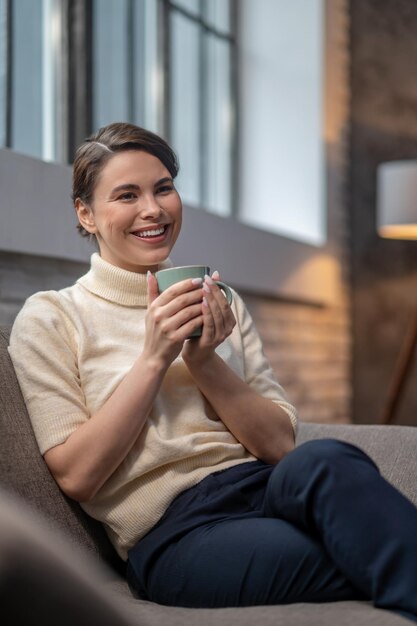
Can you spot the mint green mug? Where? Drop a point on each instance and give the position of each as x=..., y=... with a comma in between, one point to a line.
x=172, y=275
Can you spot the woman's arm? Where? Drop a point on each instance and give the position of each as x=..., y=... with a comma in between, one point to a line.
x=89, y=456
x=93, y=452
x=260, y=424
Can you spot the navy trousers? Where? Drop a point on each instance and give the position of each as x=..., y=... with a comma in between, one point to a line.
x=322, y=525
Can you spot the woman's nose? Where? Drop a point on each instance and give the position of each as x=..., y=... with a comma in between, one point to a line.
x=149, y=207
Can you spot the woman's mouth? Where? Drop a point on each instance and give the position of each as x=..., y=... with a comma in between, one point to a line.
x=152, y=235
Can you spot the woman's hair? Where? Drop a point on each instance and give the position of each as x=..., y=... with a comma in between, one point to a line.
x=93, y=154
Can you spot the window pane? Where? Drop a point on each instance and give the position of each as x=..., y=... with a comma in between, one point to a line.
x=110, y=62
x=281, y=135
x=53, y=84
x=147, y=67
x=27, y=69
x=137, y=62
x=185, y=105
x=126, y=72
x=218, y=127
x=36, y=53
x=217, y=14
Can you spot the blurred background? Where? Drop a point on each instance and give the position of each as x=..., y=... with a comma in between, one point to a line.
x=280, y=113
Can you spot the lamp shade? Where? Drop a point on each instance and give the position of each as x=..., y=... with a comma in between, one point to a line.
x=397, y=199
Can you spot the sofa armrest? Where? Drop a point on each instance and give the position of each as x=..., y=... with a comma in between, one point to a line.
x=45, y=579
x=24, y=472
x=393, y=448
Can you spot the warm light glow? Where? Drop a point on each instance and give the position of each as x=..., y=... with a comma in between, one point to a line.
x=397, y=199
x=398, y=231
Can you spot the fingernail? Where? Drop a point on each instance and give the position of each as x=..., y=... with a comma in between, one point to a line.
x=196, y=281
x=215, y=275
x=206, y=288
x=205, y=303
x=148, y=275
x=208, y=279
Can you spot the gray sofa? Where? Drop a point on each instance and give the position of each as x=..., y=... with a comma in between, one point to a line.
x=57, y=565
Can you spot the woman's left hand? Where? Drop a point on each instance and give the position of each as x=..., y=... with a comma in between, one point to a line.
x=218, y=323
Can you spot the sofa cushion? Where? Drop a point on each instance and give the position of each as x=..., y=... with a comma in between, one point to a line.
x=24, y=472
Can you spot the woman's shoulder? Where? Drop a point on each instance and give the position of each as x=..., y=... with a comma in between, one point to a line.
x=42, y=303
x=43, y=310
x=43, y=325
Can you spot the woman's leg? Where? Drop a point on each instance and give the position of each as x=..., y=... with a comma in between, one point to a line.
x=334, y=491
x=246, y=562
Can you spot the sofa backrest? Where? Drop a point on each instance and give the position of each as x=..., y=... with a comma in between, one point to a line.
x=24, y=472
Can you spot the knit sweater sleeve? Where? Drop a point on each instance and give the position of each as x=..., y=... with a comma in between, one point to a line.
x=44, y=354
x=258, y=371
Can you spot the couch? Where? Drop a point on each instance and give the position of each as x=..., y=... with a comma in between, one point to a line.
x=58, y=566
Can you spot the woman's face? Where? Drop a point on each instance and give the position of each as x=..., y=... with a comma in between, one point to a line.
x=136, y=211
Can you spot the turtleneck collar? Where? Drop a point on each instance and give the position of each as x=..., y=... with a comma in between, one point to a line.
x=116, y=284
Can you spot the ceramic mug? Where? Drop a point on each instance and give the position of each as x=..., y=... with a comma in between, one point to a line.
x=172, y=275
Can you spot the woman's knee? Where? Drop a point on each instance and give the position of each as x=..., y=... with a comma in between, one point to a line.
x=310, y=465
x=331, y=451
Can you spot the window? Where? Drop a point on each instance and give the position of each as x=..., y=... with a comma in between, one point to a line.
x=201, y=98
x=191, y=102
x=126, y=75
x=31, y=76
x=282, y=167
x=67, y=68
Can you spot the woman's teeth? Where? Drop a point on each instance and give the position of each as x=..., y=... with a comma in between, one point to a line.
x=151, y=233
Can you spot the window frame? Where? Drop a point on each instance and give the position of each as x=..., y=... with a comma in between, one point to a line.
x=5, y=71
x=169, y=7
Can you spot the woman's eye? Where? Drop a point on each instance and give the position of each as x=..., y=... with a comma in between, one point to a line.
x=127, y=196
x=165, y=189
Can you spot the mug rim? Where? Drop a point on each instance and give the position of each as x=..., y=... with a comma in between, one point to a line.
x=180, y=267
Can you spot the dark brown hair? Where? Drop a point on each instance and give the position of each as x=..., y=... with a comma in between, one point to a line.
x=92, y=155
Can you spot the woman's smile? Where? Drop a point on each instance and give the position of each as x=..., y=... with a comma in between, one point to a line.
x=152, y=234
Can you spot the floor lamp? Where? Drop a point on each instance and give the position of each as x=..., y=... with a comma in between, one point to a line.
x=397, y=219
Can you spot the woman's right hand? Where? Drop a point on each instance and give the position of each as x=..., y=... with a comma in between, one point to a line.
x=171, y=318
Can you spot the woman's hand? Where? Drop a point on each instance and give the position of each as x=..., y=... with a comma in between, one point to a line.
x=218, y=323
x=172, y=317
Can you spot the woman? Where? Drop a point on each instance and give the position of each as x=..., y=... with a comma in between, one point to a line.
x=184, y=449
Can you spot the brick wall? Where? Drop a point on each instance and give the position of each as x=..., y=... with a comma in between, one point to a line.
x=310, y=351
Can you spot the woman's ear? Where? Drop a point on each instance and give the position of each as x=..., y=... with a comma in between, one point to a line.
x=85, y=216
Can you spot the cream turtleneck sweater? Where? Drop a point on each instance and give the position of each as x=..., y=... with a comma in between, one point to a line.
x=71, y=348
